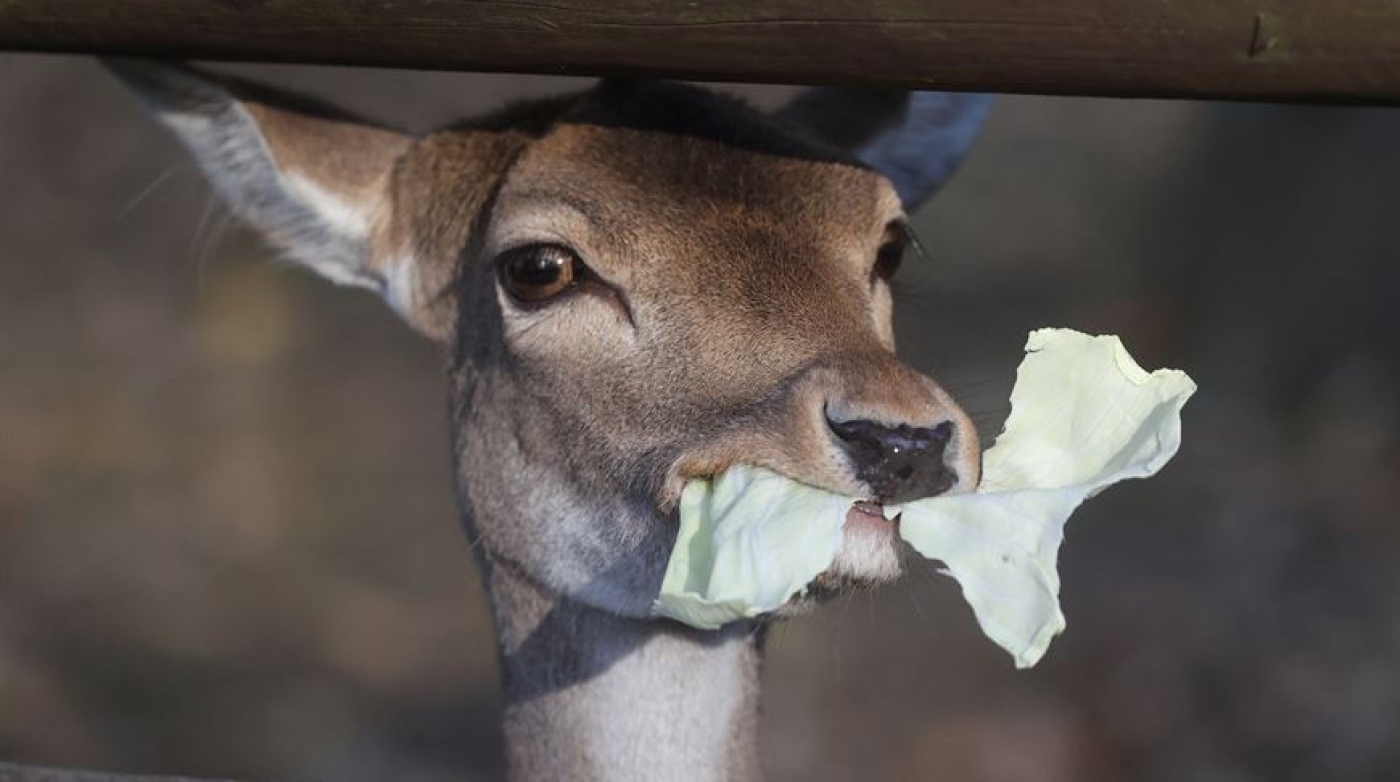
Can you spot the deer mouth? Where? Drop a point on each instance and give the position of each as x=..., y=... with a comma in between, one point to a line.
x=870, y=514
x=779, y=536
x=871, y=554
x=871, y=550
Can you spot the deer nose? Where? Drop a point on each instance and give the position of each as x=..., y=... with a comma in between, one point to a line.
x=899, y=463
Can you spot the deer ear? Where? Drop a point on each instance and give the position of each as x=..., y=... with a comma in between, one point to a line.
x=916, y=139
x=314, y=181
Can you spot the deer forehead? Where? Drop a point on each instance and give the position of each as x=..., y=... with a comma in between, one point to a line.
x=690, y=227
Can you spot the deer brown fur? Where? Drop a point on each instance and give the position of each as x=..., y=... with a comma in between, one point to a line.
x=725, y=305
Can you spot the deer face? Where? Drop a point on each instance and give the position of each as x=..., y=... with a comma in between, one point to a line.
x=635, y=287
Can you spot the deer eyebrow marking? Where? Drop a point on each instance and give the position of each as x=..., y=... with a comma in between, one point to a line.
x=543, y=216
x=545, y=199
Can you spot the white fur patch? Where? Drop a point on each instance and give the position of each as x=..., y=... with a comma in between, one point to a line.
x=868, y=554
x=343, y=215
x=400, y=276
x=348, y=220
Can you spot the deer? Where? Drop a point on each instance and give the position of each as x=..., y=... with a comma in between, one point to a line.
x=632, y=286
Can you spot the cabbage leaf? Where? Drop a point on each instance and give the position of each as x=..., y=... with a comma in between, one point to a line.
x=1084, y=416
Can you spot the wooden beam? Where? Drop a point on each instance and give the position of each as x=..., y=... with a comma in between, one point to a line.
x=1287, y=50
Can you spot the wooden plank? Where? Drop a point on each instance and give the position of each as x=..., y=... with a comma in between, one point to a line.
x=1296, y=50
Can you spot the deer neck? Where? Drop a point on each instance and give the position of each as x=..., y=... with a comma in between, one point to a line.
x=591, y=695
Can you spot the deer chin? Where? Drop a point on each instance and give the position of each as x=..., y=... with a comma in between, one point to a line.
x=870, y=550
x=871, y=554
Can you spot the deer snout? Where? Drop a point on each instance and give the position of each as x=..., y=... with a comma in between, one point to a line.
x=901, y=462
x=898, y=432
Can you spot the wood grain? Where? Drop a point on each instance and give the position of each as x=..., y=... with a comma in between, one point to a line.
x=1285, y=50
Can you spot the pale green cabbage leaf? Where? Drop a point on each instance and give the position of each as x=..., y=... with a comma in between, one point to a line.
x=1084, y=416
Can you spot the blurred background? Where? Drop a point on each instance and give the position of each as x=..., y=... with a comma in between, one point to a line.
x=228, y=543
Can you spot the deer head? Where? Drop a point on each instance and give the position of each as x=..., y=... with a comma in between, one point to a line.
x=633, y=286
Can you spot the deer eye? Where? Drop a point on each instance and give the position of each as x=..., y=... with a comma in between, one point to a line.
x=535, y=273
x=890, y=254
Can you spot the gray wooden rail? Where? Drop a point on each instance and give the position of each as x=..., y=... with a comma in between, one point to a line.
x=1294, y=50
